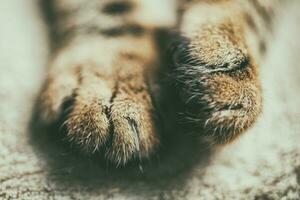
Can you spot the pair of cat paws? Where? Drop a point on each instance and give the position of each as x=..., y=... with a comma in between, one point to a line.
x=216, y=83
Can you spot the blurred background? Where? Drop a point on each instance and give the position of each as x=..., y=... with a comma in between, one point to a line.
x=262, y=164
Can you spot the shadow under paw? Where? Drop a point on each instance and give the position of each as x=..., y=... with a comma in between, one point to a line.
x=174, y=162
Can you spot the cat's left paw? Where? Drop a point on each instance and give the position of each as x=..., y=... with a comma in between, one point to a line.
x=217, y=81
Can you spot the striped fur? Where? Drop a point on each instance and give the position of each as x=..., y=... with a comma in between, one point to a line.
x=106, y=58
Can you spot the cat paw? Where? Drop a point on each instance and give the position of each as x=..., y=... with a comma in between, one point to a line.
x=111, y=114
x=217, y=80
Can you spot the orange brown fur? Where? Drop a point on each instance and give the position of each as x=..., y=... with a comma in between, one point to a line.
x=107, y=53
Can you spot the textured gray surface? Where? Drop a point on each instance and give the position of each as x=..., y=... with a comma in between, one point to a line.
x=262, y=164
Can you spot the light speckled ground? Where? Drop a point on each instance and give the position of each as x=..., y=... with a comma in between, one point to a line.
x=263, y=164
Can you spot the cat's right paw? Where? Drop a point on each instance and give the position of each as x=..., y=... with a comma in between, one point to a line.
x=111, y=114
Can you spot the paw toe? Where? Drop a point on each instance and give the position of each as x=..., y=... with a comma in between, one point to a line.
x=132, y=138
x=88, y=126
